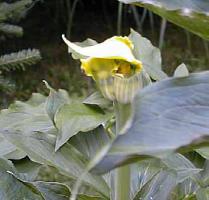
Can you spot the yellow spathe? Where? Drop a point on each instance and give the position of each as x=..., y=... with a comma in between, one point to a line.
x=111, y=57
x=102, y=68
x=99, y=68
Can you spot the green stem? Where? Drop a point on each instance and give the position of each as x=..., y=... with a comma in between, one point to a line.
x=123, y=114
x=122, y=183
x=122, y=177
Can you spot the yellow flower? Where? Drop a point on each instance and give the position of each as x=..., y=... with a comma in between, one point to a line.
x=109, y=58
x=113, y=66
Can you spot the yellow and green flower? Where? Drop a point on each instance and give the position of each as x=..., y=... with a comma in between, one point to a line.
x=113, y=66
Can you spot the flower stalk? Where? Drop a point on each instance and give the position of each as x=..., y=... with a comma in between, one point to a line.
x=122, y=183
x=122, y=174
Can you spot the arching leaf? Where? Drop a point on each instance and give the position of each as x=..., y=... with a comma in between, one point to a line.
x=168, y=115
x=189, y=14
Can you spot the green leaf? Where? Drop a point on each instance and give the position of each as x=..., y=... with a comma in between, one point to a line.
x=36, y=99
x=169, y=115
x=26, y=170
x=182, y=167
x=29, y=128
x=15, y=186
x=53, y=191
x=181, y=71
x=158, y=188
x=87, y=197
x=96, y=99
x=149, y=55
x=57, y=191
x=145, y=171
x=26, y=116
x=186, y=190
x=203, y=194
x=21, y=176
x=204, y=152
x=55, y=100
x=13, y=189
x=40, y=148
x=23, y=116
x=190, y=188
x=6, y=165
x=76, y=117
x=89, y=144
x=10, y=151
x=189, y=14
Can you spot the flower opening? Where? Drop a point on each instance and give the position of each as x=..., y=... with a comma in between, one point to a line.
x=112, y=65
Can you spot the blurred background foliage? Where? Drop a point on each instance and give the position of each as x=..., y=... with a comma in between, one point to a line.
x=36, y=27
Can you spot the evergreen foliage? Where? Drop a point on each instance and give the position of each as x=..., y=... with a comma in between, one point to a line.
x=10, y=14
x=19, y=60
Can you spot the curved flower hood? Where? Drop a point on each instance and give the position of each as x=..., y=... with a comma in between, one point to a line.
x=113, y=66
x=111, y=57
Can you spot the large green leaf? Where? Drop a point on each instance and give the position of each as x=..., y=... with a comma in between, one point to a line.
x=29, y=128
x=27, y=116
x=76, y=117
x=25, y=170
x=168, y=115
x=149, y=55
x=40, y=148
x=189, y=14
x=13, y=189
x=145, y=174
x=17, y=184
